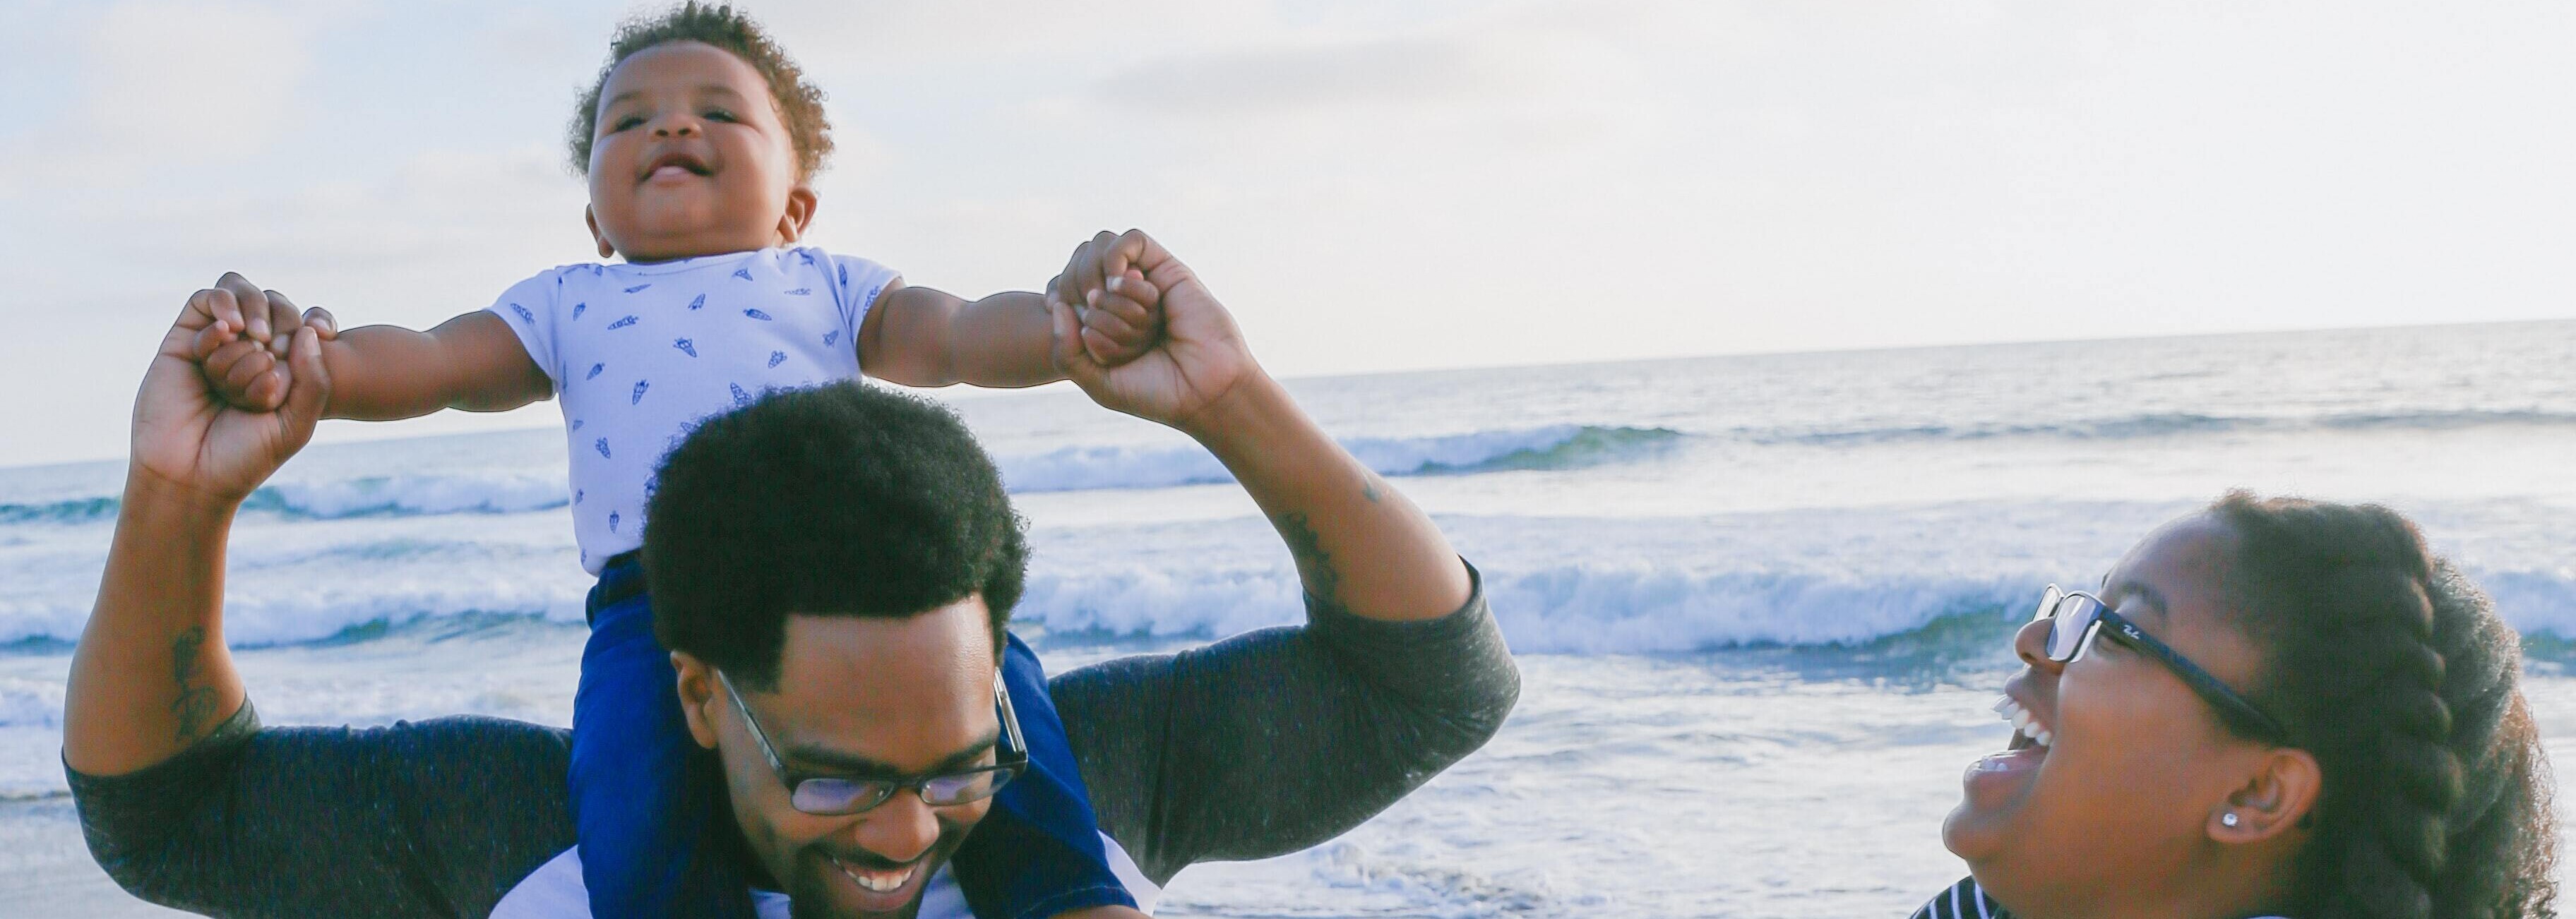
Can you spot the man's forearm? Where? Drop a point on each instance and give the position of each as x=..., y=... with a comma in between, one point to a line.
x=152, y=675
x=1359, y=544
x=1004, y=341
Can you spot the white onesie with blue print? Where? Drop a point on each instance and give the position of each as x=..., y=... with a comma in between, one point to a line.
x=641, y=353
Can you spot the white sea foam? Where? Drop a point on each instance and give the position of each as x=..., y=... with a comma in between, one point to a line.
x=1073, y=468
x=26, y=702
x=497, y=493
x=1557, y=585
x=1562, y=446
x=1887, y=513
x=355, y=539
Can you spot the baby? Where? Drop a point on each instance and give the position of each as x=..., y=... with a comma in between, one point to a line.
x=699, y=139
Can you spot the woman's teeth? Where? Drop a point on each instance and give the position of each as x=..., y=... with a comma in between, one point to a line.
x=878, y=881
x=2022, y=722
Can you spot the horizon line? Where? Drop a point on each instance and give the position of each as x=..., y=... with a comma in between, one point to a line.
x=969, y=392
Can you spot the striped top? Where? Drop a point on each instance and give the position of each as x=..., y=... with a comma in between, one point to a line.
x=1966, y=900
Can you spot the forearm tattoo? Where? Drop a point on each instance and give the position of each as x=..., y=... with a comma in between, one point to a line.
x=1322, y=579
x=195, y=706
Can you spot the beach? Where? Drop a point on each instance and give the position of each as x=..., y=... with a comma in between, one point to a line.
x=1760, y=602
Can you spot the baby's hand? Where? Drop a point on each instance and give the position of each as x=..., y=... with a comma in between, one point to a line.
x=243, y=352
x=1121, y=313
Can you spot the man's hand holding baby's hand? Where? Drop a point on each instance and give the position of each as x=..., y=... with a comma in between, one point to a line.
x=1121, y=312
x=242, y=350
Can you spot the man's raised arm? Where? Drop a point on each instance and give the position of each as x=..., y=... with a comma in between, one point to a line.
x=1279, y=739
x=184, y=799
x=1360, y=546
x=151, y=675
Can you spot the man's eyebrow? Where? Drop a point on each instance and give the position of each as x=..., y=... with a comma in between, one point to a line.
x=840, y=762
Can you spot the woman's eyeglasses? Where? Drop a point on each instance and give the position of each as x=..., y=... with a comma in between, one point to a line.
x=2076, y=618
x=835, y=795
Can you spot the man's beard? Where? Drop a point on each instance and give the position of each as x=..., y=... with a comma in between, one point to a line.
x=808, y=893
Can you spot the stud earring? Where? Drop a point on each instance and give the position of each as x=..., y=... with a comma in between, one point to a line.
x=2228, y=819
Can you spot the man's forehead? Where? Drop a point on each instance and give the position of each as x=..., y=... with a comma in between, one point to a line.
x=903, y=691
x=868, y=661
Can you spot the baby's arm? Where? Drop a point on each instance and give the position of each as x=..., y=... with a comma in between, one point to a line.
x=379, y=373
x=472, y=362
x=917, y=336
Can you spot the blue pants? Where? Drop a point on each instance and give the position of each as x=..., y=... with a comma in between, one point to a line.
x=645, y=796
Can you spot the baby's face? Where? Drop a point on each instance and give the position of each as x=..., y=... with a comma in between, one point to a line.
x=691, y=158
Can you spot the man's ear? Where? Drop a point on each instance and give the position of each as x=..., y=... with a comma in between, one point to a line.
x=592, y=217
x=697, y=697
x=801, y=202
x=2276, y=799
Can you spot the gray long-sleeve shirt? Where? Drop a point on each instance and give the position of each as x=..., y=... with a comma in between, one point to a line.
x=1262, y=744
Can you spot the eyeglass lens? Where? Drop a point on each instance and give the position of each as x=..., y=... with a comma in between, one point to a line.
x=829, y=795
x=2070, y=617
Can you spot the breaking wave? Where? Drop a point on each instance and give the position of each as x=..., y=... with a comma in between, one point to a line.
x=1553, y=447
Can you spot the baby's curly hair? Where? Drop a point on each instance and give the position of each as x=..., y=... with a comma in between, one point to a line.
x=799, y=103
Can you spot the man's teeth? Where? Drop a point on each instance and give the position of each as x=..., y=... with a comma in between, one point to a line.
x=878, y=881
x=2022, y=722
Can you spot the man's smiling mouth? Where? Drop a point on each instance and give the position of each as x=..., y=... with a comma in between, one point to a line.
x=880, y=881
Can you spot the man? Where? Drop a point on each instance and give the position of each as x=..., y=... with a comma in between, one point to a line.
x=848, y=734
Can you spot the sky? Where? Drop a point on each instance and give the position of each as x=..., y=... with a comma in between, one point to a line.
x=1371, y=185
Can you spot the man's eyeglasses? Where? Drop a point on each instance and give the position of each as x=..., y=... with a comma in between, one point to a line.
x=2075, y=618
x=836, y=795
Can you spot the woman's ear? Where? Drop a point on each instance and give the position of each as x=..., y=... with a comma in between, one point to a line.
x=2274, y=800
x=801, y=202
x=592, y=217
x=697, y=697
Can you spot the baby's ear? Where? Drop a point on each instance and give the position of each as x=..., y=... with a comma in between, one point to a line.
x=591, y=217
x=801, y=202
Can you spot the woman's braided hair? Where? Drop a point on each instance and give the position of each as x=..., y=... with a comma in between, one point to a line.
x=2395, y=673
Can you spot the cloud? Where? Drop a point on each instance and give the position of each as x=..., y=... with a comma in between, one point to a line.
x=1461, y=181
x=438, y=233
x=163, y=82
x=912, y=32
x=1268, y=81
x=1458, y=96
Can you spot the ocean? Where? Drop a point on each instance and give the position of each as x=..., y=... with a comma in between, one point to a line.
x=1760, y=602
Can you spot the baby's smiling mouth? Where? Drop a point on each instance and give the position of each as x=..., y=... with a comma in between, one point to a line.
x=674, y=164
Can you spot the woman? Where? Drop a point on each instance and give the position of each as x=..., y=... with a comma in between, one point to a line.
x=2274, y=708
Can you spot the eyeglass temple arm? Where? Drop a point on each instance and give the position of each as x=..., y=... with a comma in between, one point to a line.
x=1010, y=717
x=2210, y=686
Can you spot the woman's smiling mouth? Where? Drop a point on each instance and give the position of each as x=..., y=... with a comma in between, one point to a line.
x=1996, y=779
x=2027, y=728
